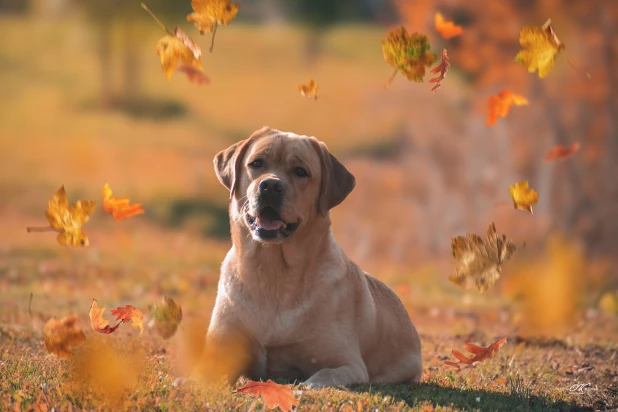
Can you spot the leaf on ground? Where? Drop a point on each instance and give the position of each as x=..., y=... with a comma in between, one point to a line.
x=273, y=394
x=178, y=47
x=408, y=53
x=540, y=48
x=310, y=90
x=480, y=259
x=208, y=13
x=561, y=152
x=166, y=316
x=447, y=29
x=61, y=334
x=441, y=68
x=119, y=207
x=500, y=105
x=194, y=75
x=67, y=220
x=523, y=196
x=480, y=353
x=129, y=313
x=97, y=322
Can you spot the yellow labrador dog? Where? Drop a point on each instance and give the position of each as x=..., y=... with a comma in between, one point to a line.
x=289, y=302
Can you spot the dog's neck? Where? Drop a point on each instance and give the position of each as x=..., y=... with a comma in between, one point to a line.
x=291, y=259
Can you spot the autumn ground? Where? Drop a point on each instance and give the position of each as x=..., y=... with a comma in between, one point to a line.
x=52, y=133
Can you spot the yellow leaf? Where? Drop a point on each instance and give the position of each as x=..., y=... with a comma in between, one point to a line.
x=609, y=303
x=480, y=260
x=208, y=13
x=68, y=220
x=540, y=48
x=523, y=196
x=310, y=90
x=408, y=53
x=178, y=47
x=61, y=334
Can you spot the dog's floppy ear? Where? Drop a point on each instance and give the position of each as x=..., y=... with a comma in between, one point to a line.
x=337, y=181
x=228, y=162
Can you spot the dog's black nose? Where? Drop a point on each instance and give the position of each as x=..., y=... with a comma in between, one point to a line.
x=272, y=187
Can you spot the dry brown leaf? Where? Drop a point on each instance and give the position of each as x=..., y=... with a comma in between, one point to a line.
x=480, y=259
x=61, y=334
x=194, y=75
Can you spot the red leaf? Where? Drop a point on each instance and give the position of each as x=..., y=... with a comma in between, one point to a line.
x=441, y=68
x=479, y=352
x=273, y=394
x=194, y=75
x=561, y=152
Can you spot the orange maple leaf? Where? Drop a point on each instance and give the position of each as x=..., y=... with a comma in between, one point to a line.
x=310, y=90
x=500, y=105
x=129, y=313
x=273, y=394
x=97, y=322
x=194, y=75
x=119, y=207
x=447, y=29
x=441, y=68
x=479, y=353
x=561, y=152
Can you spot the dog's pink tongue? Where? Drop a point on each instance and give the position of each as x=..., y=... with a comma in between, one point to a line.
x=269, y=224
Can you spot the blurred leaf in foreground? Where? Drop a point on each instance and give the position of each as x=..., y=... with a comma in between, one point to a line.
x=480, y=259
x=408, y=53
x=166, y=316
x=61, y=334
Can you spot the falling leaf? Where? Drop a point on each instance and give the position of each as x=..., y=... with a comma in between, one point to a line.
x=97, y=322
x=523, y=196
x=178, y=47
x=500, y=105
x=441, y=68
x=273, y=394
x=561, y=152
x=447, y=29
x=609, y=302
x=129, y=313
x=61, y=334
x=207, y=13
x=540, y=48
x=480, y=260
x=479, y=353
x=310, y=90
x=194, y=75
x=67, y=220
x=166, y=316
x=119, y=207
x=407, y=53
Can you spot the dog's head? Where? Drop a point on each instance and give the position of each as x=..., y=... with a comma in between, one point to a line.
x=280, y=182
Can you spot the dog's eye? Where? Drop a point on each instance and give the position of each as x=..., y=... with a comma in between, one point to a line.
x=300, y=172
x=257, y=163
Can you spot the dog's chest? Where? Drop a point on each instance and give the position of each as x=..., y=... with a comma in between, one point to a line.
x=273, y=316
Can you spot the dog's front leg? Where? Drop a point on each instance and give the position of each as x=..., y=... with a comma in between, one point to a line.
x=341, y=376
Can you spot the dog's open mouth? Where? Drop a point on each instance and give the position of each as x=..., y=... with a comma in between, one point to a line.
x=268, y=224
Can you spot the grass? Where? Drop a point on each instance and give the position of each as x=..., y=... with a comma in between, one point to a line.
x=52, y=133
